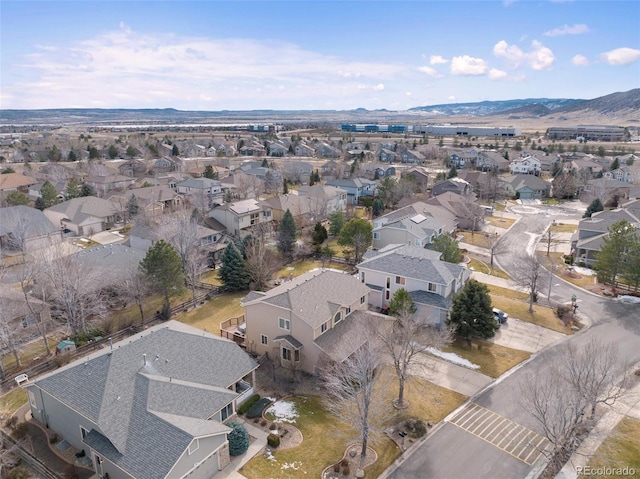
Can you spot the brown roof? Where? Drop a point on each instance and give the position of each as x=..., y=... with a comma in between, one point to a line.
x=11, y=181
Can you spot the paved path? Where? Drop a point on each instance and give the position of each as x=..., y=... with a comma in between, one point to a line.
x=525, y=336
x=231, y=471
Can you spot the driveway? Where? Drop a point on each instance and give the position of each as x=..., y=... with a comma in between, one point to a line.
x=525, y=336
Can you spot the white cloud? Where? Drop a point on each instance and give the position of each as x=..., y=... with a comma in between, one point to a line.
x=432, y=72
x=125, y=68
x=538, y=58
x=451, y=97
x=409, y=93
x=541, y=57
x=621, y=56
x=468, y=66
x=511, y=53
x=577, y=29
x=495, y=74
x=580, y=61
x=437, y=59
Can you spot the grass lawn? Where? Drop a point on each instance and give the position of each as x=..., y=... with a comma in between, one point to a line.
x=506, y=292
x=28, y=352
x=211, y=277
x=562, y=228
x=11, y=402
x=477, y=239
x=213, y=312
x=325, y=438
x=620, y=449
x=493, y=359
x=481, y=267
x=561, y=270
x=303, y=266
x=499, y=222
x=337, y=249
x=542, y=316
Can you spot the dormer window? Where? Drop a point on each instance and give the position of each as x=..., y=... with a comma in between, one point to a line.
x=337, y=318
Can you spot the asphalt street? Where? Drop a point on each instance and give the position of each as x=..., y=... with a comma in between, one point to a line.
x=463, y=447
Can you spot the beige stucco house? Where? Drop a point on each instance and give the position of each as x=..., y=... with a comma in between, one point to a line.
x=318, y=314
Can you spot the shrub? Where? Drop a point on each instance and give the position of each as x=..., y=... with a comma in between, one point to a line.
x=336, y=467
x=563, y=310
x=273, y=440
x=18, y=472
x=344, y=462
x=238, y=439
x=21, y=430
x=256, y=409
x=244, y=407
x=11, y=422
x=54, y=438
x=263, y=423
x=346, y=470
x=416, y=427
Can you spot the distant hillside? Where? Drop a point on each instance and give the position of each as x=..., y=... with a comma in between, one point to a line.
x=484, y=108
x=608, y=104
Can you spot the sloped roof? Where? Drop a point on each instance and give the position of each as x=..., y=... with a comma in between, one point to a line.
x=603, y=220
x=79, y=209
x=518, y=182
x=342, y=340
x=10, y=181
x=34, y=222
x=200, y=183
x=149, y=409
x=315, y=296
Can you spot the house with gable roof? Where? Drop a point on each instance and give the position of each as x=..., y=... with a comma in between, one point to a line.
x=526, y=187
x=528, y=165
x=356, y=188
x=153, y=406
x=240, y=217
x=316, y=315
x=431, y=282
x=85, y=216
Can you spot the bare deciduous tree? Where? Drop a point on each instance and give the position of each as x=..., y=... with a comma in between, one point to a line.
x=526, y=274
x=247, y=186
x=353, y=392
x=564, y=399
x=261, y=261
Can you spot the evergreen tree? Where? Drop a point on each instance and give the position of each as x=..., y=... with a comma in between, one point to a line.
x=209, y=173
x=613, y=253
x=162, y=267
x=401, y=303
x=316, y=176
x=132, y=206
x=631, y=269
x=48, y=194
x=285, y=186
x=594, y=207
x=448, y=246
x=72, y=156
x=72, y=190
x=264, y=164
x=377, y=208
x=287, y=235
x=112, y=152
x=87, y=190
x=233, y=272
x=175, y=151
x=228, y=196
x=615, y=164
x=376, y=175
x=132, y=151
x=471, y=313
x=453, y=172
x=238, y=439
x=94, y=154
x=311, y=182
x=357, y=233
x=17, y=198
x=336, y=221
x=319, y=234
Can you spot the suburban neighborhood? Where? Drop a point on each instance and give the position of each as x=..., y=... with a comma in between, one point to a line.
x=221, y=303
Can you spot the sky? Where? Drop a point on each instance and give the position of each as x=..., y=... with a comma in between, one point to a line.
x=317, y=55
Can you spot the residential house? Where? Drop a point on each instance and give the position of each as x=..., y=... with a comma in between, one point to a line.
x=109, y=264
x=241, y=217
x=455, y=185
x=491, y=161
x=529, y=165
x=133, y=168
x=324, y=200
x=467, y=213
x=152, y=201
x=204, y=192
x=25, y=229
x=625, y=174
x=592, y=232
x=420, y=176
x=166, y=164
x=297, y=172
x=412, y=156
x=386, y=156
x=35, y=191
x=317, y=315
x=356, y=188
x=325, y=150
x=298, y=206
x=484, y=185
x=85, y=216
x=431, y=282
x=462, y=158
x=380, y=172
x=549, y=163
x=332, y=168
x=277, y=148
x=610, y=191
x=15, y=182
x=152, y=406
x=103, y=185
x=525, y=187
x=21, y=321
x=302, y=149
x=253, y=149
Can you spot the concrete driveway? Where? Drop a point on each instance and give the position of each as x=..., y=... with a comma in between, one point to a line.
x=525, y=336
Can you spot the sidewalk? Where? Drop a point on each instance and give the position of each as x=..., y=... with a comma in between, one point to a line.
x=628, y=405
x=231, y=471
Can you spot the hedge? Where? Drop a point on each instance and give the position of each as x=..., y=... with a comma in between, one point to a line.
x=273, y=440
x=258, y=407
x=244, y=407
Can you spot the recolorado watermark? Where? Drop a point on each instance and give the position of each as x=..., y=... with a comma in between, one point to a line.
x=605, y=471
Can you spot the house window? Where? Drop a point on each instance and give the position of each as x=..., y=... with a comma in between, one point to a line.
x=226, y=412
x=324, y=327
x=284, y=324
x=285, y=354
x=388, y=283
x=337, y=318
x=296, y=355
x=400, y=280
x=264, y=340
x=418, y=242
x=32, y=399
x=193, y=447
x=347, y=311
x=254, y=217
x=363, y=299
x=83, y=432
x=376, y=235
x=386, y=294
x=431, y=287
x=362, y=276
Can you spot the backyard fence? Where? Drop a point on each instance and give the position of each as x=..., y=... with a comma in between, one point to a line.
x=32, y=461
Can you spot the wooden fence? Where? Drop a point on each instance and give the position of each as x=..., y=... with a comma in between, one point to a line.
x=43, y=471
x=228, y=333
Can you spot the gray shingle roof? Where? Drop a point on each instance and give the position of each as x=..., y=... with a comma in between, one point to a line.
x=78, y=209
x=314, y=296
x=34, y=222
x=413, y=262
x=291, y=340
x=148, y=414
x=431, y=299
x=347, y=336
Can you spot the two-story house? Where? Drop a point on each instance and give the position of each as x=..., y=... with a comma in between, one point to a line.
x=324, y=200
x=528, y=165
x=204, y=190
x=525, y=187
x=107, y=183
x=454, y=185
x=152, y=406
x=430, y=281
x=85, y=216
x=491, y=161
x=356, y=188
x=316, y=315
x=240, y=217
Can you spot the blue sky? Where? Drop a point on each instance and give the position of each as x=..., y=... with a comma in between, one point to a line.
x=241, y=55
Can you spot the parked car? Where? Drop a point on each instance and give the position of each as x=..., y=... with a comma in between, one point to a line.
x=500, y=316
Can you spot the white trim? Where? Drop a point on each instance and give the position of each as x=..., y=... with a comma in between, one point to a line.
x=264, y=340
x=286, y=322
x=190, y=450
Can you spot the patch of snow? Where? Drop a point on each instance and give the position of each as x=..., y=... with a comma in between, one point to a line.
x=284, y=411
x=453, y=358
x=629, y=299
x=584, y=271
x=270, y=456
x=295, y=465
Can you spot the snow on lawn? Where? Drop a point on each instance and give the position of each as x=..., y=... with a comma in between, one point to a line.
x=584, y=271
x=284, y=411
x=453, y=358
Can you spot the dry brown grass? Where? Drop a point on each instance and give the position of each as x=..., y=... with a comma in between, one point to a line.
x=542, y=316
x=494, y=360
x=499, y=222
x=621, y=449
x=210, y=315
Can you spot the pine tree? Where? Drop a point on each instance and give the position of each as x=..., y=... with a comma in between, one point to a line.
x=72, y=190
x=594, y=207
x=612, y=256
x=48, y=194
x=238, y=439
x=209, y=173
x=162, y=267
x=287, y=235
x=319, y=234
x=175, y=151
x=132, y=206
x=285, y=187
x=448, y=246
x=233, y=272
x=87, y=190
x=453, y=172
x=471, y=313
